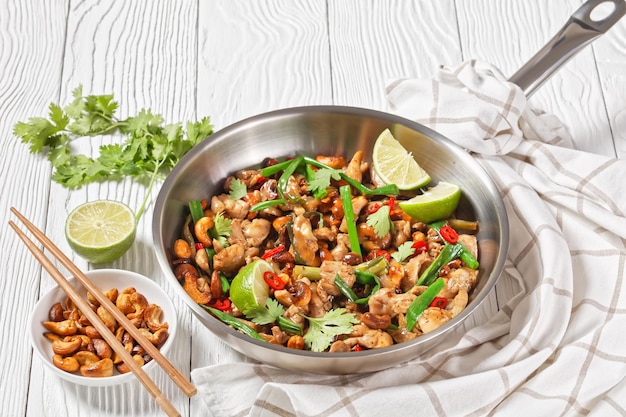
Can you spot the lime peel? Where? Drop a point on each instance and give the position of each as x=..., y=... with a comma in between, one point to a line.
x=437, y=203
x=248, y=290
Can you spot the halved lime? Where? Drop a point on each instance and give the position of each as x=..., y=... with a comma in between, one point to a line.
x=395, y=165
x=438, y=203
x=100, y=231
x=248, y=289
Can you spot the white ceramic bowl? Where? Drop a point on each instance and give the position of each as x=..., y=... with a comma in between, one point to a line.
x=104, y=279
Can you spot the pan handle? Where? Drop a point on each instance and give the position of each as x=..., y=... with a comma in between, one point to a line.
x=581, y=29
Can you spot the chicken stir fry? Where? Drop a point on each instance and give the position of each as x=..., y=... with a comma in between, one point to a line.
x=343, y=267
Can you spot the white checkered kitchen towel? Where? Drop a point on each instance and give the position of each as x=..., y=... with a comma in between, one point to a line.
x=558, y=347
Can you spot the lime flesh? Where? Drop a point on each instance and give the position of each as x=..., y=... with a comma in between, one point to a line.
x=100, y=231
x=395, y=165
x=438, y=203
x=248, y=289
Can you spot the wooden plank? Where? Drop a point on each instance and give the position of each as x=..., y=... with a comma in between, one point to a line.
x=146, y=65
x=574, y=93
x=373, y=42
x=31, y=46
x=255, y=57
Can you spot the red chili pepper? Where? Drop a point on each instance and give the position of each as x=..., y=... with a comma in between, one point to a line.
x=373, y=208
x=268, y=254
x=222, y=304
x=440, y=302
x=357, y=348
x=392, y=202
x=449, y=234
x=380, y=252
x=273, y=280
x=420, y=246
x=199, y=245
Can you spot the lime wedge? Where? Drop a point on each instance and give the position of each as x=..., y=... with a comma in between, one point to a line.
x=100, y=231
x=248, y=289
x=438, y=203
x=395, y=165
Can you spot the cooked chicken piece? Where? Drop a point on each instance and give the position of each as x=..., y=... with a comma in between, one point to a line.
x=318, y=306
x=402, y=334
x=342, y=248
x=304, y=242
x=433, y=318
x=294, y=313
x=469, y=241
x=359, y=202
x=368, y=338
x=462, y=278
x=230, y=259
x=354, y=169
x=236, y=233
x=255, y=231
x=458, y=303
x=394, y=276
x=413, y=269
x=339, y=346
x=234, y=209
x=328, y=234
x=268, y=190
x=386, y=301
x=328, y=271
x=401, y=232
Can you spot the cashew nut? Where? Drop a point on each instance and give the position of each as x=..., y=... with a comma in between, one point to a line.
x=101, y=368
x=56, y=313
x=65, y=348
x=152, y=317
x=123, y=368
x=182, y=249
x=63, y=328
x=102, y=348
x=157, y=338
x=84, y=357
x=69, y=364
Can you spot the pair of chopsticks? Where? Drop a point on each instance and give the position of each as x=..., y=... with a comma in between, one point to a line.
x=186, y=386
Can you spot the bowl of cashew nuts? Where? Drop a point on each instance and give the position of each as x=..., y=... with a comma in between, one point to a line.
x=70, y=346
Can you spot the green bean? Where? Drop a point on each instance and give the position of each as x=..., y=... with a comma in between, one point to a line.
x=289, y=326
x=234, y=322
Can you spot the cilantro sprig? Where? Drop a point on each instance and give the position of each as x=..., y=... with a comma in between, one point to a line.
x=149, y=151
x=322, y=330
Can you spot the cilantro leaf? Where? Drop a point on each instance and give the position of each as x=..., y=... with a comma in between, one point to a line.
x=148, y=149
x=221, y=229
x=322, y=330
x=404, y=251
x=237, y=189
x=321, y=179
x=265, y=315
x=380, y=221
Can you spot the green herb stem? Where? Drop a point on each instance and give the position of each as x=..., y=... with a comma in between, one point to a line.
x=234, y=322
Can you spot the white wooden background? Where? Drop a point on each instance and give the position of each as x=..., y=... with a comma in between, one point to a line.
x=231, y=59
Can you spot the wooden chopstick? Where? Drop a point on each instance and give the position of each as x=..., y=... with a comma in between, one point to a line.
x=104, y=331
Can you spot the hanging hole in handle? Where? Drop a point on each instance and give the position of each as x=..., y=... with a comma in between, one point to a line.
x=602, y=11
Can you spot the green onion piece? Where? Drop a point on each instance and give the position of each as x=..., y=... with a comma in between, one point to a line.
x=266, y=204
x=195, y=208
x=281, y=187
x=365, y=277
x=447, y=254
x=465, y=255
x=349, y=292
x=234, y=322
x=310, y=272
x=289, y=326
x=225, y=283
x=346, y=200
x=345, y=289
x=273, y=169
x=393, y=327
x=376, y=266
x=422, y=302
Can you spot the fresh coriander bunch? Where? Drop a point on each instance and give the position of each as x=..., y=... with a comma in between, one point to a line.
x=148, y=151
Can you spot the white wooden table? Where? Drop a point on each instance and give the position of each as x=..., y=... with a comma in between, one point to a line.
x=231, y=59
